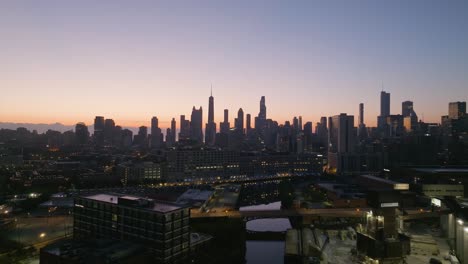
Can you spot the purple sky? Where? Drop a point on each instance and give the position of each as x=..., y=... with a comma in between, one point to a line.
x=67, y=61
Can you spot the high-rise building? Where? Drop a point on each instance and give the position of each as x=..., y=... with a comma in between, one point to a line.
x=457, y=110
x=224, y=126
x=161, y=227
x=109, y=126
x=341, y=144
x=142, y=137
x=341, y=133
x=361, y=114
x=248, y=124
x=384, y=109
x=410, y=119
x=184, y=133
x=196, y=123
x=295, y=124
x=155, y=133
x=173, y=130
x=98, y=123
x=260, y=120
x=99, y=130
x=81, y=133
x=362, y=130
x=300, y=123
x=384, y=103
x=169, y=142
x=239, y=122
x=210, y=128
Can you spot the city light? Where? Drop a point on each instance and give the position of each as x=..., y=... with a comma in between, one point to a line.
x=42, y=235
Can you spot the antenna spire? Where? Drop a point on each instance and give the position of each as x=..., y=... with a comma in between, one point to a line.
x=211, y=93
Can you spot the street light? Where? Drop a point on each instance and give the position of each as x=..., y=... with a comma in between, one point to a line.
x=42, y=235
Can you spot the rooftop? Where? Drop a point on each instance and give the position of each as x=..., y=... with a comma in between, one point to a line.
x=157, y=206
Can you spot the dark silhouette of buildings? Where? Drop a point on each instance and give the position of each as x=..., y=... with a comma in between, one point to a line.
x=210, y=129
x=196, y=122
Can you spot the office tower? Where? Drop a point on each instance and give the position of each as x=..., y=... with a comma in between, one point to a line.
x=361, y=114
x=295, y=124
x=81, y=133
x=98, y=123
x=260, y=120
x=163, y=228
x=196, y=123
x=239, y=122
x=410, y=119
x=173, y=130
x=248, y=124
x=99, y=130
x=142, y=137
x=341, y=133
x=323, y=121
x=341, y=144
x=109, y=126
x=322, y=134
x=169, y=142
x=384, y=103
x=362, y=130
x=127, y=138
x=262, y=113
x=308, y=136
x=224, y=126
x=184, y=133
x=384, y=110
x=457, y=110
x=300, y=123
x=210, y=128
x=155, y=133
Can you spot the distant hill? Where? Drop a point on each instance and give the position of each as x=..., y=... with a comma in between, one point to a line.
x=41, y=128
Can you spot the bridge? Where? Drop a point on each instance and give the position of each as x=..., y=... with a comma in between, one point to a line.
x=328, y=212
x=323, y=212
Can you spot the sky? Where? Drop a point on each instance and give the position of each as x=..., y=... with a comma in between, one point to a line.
x=68, y=61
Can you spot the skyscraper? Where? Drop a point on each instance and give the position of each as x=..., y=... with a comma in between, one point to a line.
x=457, y=110
x=81, y=133
x=239, y=124
x=109, y=126
x=362, y=130
x=155, y=133
x=262, y=114
x=384, y=109
x=384, y=103
x=248, y=124
x=341, y=133
x=224, y=126
x=98, y=123
x=196, y=123
x=361, y=114
x=210, y=129
x=260, y=120
x=184, y=133
x=410, y=119
x=173, y=130
x=341, y=144
x=142, y=137
x=300, y=123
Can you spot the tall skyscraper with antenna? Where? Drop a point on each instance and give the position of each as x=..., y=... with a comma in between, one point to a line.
x=210, y=128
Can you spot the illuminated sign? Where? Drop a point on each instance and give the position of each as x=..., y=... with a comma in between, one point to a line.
x=383, y=205
x=436, y=202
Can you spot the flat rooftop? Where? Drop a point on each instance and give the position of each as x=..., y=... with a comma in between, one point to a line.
x=157, y=206
x=441, y=170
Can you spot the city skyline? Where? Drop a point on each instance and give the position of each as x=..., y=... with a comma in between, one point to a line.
x=315, y=59
x=368, y=121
